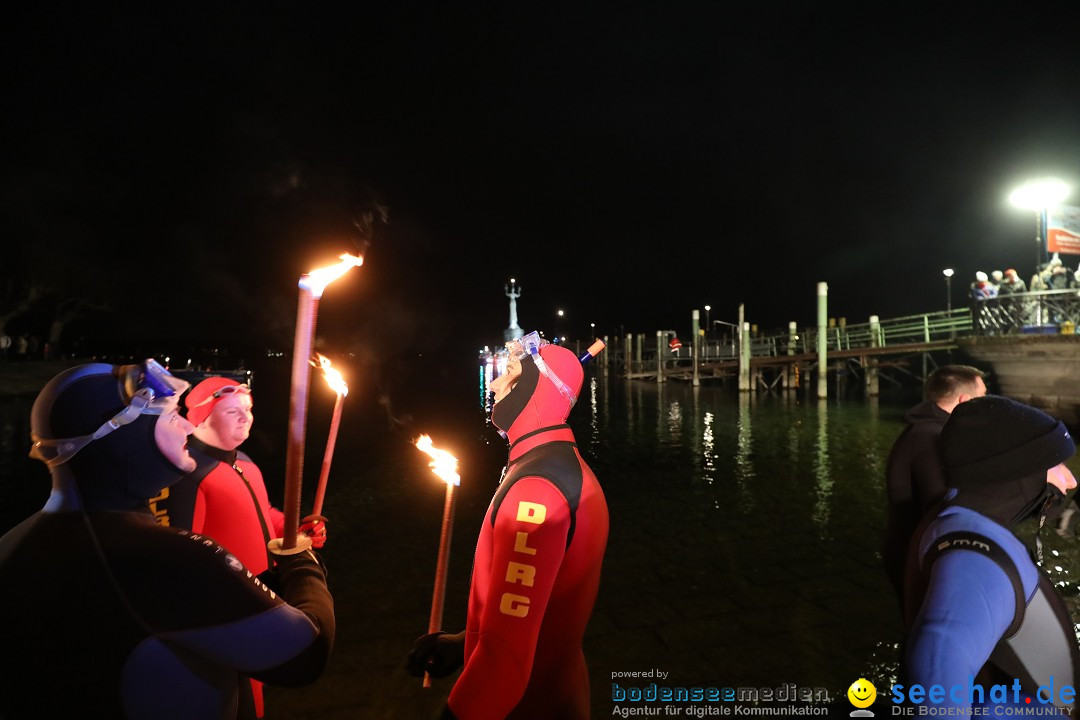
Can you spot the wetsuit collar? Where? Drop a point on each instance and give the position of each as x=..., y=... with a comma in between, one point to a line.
x=226, y=456
x=531, y=440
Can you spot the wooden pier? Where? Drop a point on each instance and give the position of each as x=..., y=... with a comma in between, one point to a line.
x=785, y=361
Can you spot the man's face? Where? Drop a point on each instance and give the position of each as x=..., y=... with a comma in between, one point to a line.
x=1061, y=477
x=229, y=423
x=503, y=384
x=171, y=433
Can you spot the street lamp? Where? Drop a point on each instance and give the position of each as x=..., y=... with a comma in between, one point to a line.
x=1038, y=195
x=948, y=273
x=736, y=334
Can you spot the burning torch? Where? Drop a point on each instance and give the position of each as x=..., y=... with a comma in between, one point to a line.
x=312, y=286
x=444, y=465
x=337, y=383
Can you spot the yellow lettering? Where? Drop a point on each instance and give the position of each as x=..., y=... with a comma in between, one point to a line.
x=519, y=572
x=516, y=605
x=531, y=512
x=521, y=544
x=162, y=516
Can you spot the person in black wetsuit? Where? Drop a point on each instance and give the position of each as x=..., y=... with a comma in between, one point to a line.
x=114, y=616
x=915, y=477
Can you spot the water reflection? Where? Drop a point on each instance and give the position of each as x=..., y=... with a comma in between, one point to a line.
x=822, y=470
x=594, y=412
x=708, y=450
x=744, y=455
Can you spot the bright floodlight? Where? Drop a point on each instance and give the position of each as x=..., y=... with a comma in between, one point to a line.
x=947, y=272
x=1039, y=194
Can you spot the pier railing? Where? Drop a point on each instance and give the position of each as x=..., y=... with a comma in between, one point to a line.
x=911, y=329
x=1045, y=311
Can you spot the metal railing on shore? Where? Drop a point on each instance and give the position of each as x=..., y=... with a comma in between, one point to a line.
x=1042, y=311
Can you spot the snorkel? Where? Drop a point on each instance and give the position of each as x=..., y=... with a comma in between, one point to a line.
x=94, y=426
x=156, y=388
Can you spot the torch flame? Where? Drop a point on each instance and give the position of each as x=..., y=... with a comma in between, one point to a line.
x=332, y=375
x=317, y=280
x=442, y=463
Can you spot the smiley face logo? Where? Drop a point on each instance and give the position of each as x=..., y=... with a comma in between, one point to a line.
x=862, y=693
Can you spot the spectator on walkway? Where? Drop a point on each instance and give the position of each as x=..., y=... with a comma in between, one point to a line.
x=982, y=289
x=1012, y=283
x=1061, y=278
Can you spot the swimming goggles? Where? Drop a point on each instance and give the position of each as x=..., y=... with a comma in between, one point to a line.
x=157, y=393
x=227, y=390
x=530, y=345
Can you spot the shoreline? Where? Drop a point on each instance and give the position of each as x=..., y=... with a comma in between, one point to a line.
x=27, y=377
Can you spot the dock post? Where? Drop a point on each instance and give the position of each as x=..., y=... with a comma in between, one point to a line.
x=659, y=356
x=793, y=337
x=695, y=318
x=872, y=382
x=746, y=352
x=744, y=346
x=822, y=340
x=628, y=359
x=639, y=352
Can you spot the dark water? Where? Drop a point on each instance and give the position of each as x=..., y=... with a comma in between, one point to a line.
x=743, y=547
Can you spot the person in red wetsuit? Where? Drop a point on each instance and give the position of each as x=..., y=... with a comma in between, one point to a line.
x=538, y=558
x=225, y=496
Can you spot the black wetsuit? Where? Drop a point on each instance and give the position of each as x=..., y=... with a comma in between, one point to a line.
x=915, y=482
x=135, y=620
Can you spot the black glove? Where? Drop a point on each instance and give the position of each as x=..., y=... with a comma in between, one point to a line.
x=437, y=654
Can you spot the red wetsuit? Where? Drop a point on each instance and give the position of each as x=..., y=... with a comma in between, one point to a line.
x=537, y=566
x=224, y=498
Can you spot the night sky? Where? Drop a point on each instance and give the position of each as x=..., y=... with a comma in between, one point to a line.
x=178, y=167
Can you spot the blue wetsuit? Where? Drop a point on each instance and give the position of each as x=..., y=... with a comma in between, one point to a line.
x=969, y=603
x=987, y=616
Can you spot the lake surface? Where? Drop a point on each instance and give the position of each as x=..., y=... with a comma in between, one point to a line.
x=743, y=547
